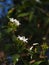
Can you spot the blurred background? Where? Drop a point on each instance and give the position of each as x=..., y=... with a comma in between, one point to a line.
x=24, y=32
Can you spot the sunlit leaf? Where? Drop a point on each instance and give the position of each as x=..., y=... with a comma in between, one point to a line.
x=23, y=14
x=37, y=63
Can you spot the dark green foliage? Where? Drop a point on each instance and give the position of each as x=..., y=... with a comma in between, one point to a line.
x=34, y=19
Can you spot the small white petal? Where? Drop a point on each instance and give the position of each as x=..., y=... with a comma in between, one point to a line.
x=35, y=43
x=31, y=48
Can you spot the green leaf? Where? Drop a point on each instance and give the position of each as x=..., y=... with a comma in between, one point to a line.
x=0, y=35
x=6, y=47
x=9, y=30
x=15, y=58
x=37, y=63
x=10, y=11
x=23, y=14
x=30, y=16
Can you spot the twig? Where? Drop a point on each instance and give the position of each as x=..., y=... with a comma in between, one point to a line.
x=32, y=61
x=43, y=11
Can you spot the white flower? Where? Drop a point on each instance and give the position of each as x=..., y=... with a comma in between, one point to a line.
x=38, y=1
x=23, y=38
x=31, y=48
x=35, y=43
x=11, y=19
x=15, y=21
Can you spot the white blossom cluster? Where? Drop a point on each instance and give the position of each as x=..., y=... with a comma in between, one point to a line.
x=23, y=38
x=14, y=21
